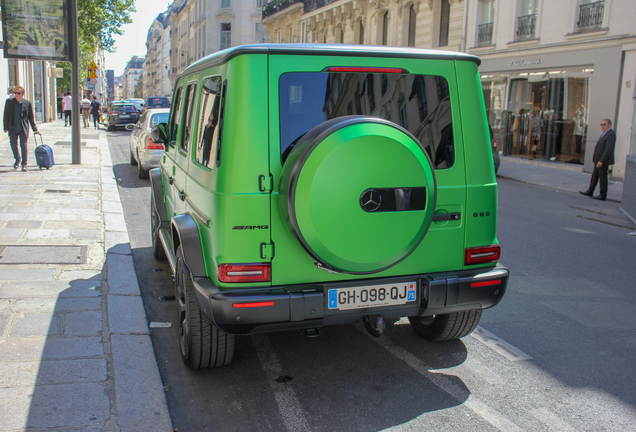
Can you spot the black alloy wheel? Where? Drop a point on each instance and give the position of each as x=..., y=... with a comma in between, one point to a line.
x=446, y=327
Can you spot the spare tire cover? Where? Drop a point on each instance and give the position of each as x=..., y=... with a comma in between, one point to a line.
x=358, y=193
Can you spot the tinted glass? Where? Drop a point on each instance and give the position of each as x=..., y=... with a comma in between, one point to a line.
x=126, y=109
x=159, y=118
x=419, y=103
x=208, y=121
x=176, y=116
x=158, y=103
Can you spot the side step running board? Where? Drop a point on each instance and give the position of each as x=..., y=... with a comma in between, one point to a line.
x=166, y=242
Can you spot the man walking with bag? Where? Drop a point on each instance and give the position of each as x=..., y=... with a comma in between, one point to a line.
x=18, y=114
x=603, y=157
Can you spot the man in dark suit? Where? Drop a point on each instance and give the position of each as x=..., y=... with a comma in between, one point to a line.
x=18, y=114
x=603, y=157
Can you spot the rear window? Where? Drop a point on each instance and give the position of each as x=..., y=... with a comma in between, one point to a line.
x=157, y=103
x=126, y=109
x=418, y=103
x=159, y=118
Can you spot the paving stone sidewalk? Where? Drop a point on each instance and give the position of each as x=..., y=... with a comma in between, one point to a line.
x=75, y=350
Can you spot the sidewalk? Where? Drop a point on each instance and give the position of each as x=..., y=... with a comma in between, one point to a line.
x=554, y=175
x=75, y=350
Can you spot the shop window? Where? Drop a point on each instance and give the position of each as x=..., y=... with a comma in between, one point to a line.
x=544, y=115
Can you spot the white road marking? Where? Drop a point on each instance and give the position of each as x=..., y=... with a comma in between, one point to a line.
x=286, y=399
x=458, y=393
x=154, y=324
x=499, y=345
x=552, y=421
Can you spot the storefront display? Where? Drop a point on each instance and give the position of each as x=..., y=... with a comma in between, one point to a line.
x=539, y=114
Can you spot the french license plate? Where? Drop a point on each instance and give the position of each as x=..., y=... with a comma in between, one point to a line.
x=372, y=296
x=124, y=116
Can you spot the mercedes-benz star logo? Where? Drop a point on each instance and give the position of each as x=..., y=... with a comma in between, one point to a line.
x=370, y=200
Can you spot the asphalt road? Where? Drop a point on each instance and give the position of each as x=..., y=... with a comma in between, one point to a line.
x=557, y=354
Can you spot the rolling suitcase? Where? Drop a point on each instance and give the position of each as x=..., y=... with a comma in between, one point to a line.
x=43, y=154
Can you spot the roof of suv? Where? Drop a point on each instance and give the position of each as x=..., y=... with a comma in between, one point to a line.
x=331, y=50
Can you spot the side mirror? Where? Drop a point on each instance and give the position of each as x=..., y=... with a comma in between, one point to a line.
x=130, y=126
x=159, y=133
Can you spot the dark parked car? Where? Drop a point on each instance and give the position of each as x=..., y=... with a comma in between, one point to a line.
x=157, y=102
x=119, y=115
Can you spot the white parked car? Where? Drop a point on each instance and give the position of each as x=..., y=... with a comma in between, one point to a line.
x=144, y=152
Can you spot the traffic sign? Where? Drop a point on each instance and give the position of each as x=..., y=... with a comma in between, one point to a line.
x=92, y=74
x=93, y=81
x=92, y=66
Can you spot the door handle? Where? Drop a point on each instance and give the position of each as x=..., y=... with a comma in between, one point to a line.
x=446, y=217
x=182, y=195
x=170, y=180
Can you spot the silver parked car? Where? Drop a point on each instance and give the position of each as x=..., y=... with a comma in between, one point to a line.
x=144, y=152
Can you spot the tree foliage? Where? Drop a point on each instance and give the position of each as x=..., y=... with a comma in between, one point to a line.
x=98, y=22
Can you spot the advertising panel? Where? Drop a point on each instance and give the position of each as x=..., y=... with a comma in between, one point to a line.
x=35, y=29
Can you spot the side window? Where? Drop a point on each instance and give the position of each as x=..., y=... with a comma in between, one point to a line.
x=208, y=130
x=188, y=117
x=176, y=116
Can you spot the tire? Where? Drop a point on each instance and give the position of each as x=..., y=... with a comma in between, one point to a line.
x=110, y=128
x=141, y=172
x=155, y=221
x=446, y=327
x=133, y=162
x=203, y=345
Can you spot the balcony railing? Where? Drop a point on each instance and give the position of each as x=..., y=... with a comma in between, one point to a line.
x=312, y=5
x=526, y=26
x=278, y=5
x=484, y=34
x=591, y=16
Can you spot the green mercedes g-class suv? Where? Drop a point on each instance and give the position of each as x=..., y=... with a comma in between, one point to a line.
x=309, y=185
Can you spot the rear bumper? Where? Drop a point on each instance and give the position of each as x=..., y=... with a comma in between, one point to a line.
x=306, y=306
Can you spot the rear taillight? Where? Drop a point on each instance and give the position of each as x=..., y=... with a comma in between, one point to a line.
x=151, y=145
x=482, y=255
x=384, y=70
x=494, y=144
x=245, y=273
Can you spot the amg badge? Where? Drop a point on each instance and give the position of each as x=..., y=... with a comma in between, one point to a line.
x=250, y=227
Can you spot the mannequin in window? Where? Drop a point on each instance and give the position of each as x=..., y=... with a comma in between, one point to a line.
x=579, y=126
x=537, y=124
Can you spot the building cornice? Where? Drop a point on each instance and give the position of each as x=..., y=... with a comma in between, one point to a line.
x=556, y=47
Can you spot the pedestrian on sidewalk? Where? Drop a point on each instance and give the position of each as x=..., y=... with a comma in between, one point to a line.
x=96, y=110
x=86, y=111
x=603, y=157
x=67, y=101
x=18, y=114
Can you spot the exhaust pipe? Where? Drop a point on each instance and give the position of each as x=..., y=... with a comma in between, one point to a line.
x=311, y=332
x=374, y=329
